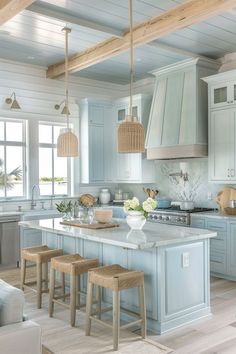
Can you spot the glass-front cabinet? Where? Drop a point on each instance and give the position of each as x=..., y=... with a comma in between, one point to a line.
x=123, y=110
x=223, y=94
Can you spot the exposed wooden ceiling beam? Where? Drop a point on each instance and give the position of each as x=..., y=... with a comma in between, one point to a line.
x=183, y=15
x=10, y=8
x=61, y=14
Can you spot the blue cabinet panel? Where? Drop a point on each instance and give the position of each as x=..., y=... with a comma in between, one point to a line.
x=30, y=237
x=180, y=290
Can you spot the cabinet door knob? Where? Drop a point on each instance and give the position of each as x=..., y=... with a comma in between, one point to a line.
x=228, y=172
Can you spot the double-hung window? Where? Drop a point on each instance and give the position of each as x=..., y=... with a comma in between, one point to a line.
x=12, y=158
x=54, y=172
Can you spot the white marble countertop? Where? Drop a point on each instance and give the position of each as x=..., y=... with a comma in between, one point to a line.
x=213, y=214
x=10, y=213
x=152, y=235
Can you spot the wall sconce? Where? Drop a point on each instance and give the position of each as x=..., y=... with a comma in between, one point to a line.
x=12, y=101
x=65, y=109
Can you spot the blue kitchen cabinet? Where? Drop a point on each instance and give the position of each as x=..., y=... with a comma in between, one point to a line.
x=30, y=237
x=222, y=127
x=199, y=223
x=232, y=250
x=97, y=142
x=134, y=168
x=221, y=145
x=220, y=248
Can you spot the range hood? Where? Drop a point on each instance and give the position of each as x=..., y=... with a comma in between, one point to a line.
x=178, y=121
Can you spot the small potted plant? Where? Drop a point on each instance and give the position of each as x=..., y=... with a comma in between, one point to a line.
x=65, y=208
x=138, y=213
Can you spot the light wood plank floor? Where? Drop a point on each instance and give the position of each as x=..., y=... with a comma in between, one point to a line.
x=216, y=335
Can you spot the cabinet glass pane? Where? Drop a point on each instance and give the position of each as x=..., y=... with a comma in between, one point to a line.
x=121, y=114
x=220, y=95
x=135, y=111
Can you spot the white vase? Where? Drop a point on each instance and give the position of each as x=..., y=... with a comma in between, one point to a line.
x=135, y=220
x=104, y=196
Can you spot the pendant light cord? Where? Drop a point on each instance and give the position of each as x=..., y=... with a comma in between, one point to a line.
x=131, y=58
x=67, y=31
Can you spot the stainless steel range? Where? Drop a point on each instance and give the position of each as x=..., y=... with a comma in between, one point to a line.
x=174, y=216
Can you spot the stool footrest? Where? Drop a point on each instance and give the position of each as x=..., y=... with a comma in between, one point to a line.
x=30, y=283
x=127, y=325
x=101, y=322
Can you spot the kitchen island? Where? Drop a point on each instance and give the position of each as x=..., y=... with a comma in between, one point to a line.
x=175, y=261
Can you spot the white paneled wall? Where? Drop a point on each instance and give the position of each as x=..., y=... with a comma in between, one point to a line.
x=37, y=96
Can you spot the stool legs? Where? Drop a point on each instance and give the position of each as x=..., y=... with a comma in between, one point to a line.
x=62, y=285
x=142, y=311
x=23, y=273
x=116, y=319
x=73, y=294
x=39, y=284
x=89, y=303
x=98, y=300
x=51, y=291
x=45, y=275
x=78, y=291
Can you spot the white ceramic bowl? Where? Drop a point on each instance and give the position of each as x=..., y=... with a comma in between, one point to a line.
x=103, y=215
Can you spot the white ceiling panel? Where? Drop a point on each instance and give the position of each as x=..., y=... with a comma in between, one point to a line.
x=37, y=39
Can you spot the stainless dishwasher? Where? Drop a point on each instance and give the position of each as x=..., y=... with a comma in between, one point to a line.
x=9, y=240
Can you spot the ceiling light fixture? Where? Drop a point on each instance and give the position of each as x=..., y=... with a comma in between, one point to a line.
x=131, y=132
x=67, y=142
x=12, y=101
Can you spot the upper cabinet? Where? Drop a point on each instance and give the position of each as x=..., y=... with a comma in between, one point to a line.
x=223, y=94
x=134, y=168
x=96, y=142
x=222, y=127
x=178, y=120
x=100, y=161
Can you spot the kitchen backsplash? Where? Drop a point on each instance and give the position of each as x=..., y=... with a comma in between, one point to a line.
x=196, y=188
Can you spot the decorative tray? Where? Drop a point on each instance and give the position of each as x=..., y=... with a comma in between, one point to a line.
x=95, y=226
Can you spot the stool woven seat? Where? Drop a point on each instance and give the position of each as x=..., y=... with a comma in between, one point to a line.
x=74, y=265
x=40, y=253
x=41, y=256
x=116, y=278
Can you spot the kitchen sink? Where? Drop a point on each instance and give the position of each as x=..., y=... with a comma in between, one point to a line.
x=40, y=214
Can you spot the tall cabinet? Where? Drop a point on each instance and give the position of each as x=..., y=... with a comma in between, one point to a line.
x=222, y=127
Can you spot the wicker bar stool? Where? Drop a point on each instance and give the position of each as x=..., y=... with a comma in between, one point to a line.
x=74, y=265
x=41, y=256
x=116, y=278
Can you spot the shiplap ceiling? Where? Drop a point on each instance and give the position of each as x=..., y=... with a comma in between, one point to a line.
x=34, y=38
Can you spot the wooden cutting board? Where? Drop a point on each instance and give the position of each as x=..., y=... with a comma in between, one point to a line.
x=223, y=197
x=97, y=226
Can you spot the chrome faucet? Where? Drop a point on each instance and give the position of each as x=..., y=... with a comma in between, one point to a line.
x=33, y=202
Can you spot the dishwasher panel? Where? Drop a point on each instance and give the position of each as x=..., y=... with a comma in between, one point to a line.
x=9, y=243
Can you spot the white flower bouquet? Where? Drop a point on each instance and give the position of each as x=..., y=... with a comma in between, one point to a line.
x=134, y=205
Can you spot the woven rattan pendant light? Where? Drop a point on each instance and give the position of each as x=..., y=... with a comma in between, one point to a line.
x=131, y=132
x=67, y=142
